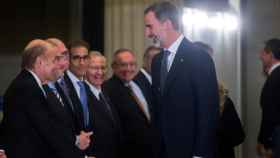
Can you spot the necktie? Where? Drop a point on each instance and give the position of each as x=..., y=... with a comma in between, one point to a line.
x=60, y=85
x=102, y=99
x=164, y=69
x=57, y=95
x=52, y=92
x=139, y=103
x=83, y=99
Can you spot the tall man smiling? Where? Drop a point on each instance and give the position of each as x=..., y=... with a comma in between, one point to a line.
x=184, y=80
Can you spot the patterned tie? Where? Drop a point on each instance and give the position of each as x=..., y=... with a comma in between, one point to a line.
x=83, y=99
x=52, y=92
x=164, y=69
x=57, y=95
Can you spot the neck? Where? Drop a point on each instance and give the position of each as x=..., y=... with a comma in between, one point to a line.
x=38, y=74
x=146, y=69
x=172, y=37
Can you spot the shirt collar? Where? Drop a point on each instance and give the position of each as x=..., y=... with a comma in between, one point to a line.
x=175, y=45
x=73, y=77
x=273, y=67
x=94, y=90
x=147, y=75
x=38, y=81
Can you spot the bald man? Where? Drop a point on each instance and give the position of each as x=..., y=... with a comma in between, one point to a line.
x=60, y=91
x=32, y=127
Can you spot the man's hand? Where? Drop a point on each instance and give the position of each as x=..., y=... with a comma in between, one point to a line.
x=84, y=140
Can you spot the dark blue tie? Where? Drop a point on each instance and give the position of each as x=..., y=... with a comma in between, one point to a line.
x=164, y=69
x=83, y=99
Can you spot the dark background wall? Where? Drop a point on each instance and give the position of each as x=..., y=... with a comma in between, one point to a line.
x=22, y=21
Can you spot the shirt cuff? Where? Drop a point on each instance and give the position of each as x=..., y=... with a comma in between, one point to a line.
x=197, y=157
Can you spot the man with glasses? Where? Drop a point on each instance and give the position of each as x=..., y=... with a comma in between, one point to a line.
x=134, y=107
x=78, y=91
x=58, y=97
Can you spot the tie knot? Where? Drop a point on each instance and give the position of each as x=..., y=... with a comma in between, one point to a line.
x=53, y=89
x=81, y=84
x=167, y=52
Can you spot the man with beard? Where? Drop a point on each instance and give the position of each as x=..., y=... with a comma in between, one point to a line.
x=185, y=84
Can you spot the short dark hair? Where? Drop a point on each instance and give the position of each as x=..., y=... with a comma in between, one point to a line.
x=30, y=55
x=273, y=46
x=163, y=11
x=78, y=43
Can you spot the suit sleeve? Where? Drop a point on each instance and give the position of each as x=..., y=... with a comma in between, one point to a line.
x=207, y=104
x=44, y=123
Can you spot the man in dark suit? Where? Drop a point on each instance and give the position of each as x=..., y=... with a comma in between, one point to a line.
x=107, y=129
x=32, y=127
x=185, y=84
x=134, y=107
x=79, y=92
x=269, y=135
x=57, y=97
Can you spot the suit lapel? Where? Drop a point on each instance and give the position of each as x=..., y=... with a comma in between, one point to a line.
x=144, y=86
x=75, y=100
x=176, y=67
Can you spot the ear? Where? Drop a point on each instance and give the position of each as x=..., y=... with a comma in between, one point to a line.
x=168, y=24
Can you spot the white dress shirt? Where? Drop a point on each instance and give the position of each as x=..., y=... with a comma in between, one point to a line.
x=94, y=90
x=75, y=81
x=147, y=75
x=137, y=91
x=173, y=50
x=38, y=81
x=273, y=67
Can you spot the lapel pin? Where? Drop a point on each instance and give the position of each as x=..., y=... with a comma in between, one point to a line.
x=181, y=60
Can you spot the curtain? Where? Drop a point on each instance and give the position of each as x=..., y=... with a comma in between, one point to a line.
x=124, y=27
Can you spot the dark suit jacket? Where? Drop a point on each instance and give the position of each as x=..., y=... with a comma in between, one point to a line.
x=270, y=104
x=139, y=135
x=142, y=78
x=188, y=105
x=78, y=113
x=32, y=127
x=230, y=133
x=77, y=105
x=107, y=138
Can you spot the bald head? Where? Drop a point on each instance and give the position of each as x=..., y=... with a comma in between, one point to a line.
x=57, y=43
x=32, y=51
x=41, y=57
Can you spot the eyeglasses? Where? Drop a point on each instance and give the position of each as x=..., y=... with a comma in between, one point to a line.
x=77, y=57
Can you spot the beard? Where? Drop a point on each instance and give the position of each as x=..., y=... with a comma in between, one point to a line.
x=156, y=41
